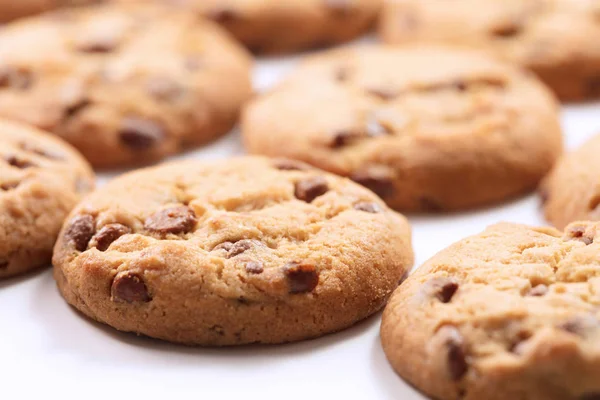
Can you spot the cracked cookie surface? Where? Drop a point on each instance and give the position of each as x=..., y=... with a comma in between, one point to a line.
x=125, y=84
x=571, y=192
x=551, y=37
x=511, y=313
x=274, y=26
x=246, y=250
x=426, y=128
x=41, y=180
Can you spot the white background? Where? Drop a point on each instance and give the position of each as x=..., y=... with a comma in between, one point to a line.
x=47, y=350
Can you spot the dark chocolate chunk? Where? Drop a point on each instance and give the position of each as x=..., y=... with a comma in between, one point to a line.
x=140, y=134
x=108, y=234
x=309, y=189
x=80, y=231
x=180, y=219
x=302, y=277
x=130, y=288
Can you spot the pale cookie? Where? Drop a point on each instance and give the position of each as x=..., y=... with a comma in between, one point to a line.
x=554, y=38
x=271, y=26
x=125, y=83
x=571, y=192
x=246, y=250
x=511, y=313
x=41, y=180
x=426, y=128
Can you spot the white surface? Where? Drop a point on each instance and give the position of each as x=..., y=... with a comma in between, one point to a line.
x=49, y=350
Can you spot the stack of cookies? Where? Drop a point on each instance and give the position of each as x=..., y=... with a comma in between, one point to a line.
x=457, y=109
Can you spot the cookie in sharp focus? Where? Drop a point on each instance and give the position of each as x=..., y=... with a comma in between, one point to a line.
x=125, y=84
x=571, y=191
x=245, y=250
x=274, y=26
x=426, y=128
x=511, y=313
x=551, y=37
x=41, y=180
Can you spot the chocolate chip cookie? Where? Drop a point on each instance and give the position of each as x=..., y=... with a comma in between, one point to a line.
x=554, y=38
x=571, y=192
x=426, y=128
x=41, y=180
x=11, y=9
x=124, y=84
x=271, y=26
x=246, y=250
x=511, y=313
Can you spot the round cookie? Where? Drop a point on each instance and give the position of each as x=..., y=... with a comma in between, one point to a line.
x=124, y=84
x=426, y=128
x=246, y=250
x=511, y=313
x=41, y=180
x=551, y=37
x=273, y=26
x=571, y=191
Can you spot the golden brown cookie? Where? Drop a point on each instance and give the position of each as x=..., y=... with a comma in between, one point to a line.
x=571, y=192
x=231, y=252
x=511, y=313
x=426, y=128
x=41, y=180
x=13, y=9
x=273, y=26
x=554, y=38
x=123, y=83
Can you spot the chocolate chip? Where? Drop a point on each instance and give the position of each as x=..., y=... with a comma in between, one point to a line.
x=538, y=290
x=105, y=43
x=164, y=88
x=254, y=267
x=19, y=162
x=75, y=108
x=344, y=138
x=240, y=247
x=309, y=189
x=590, y=396
x=442, y=288
x=285, y=164
x=140, y=134
x=302, y=278
x=507, y=30
x=108, y=234
x=372, y=208
x=580, y=326
x=6, y=186
x=223, y=15
x=130, y=288
x=15, y=78
x=379, y=179
x=455, y=352
x=181, y=219
x=80, y=231
x=383, y=94
x=577, y=232
x=223, y=246
x=342, y=74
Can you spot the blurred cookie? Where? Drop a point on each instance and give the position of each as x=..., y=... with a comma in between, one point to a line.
x=13, y=9
x=230, y=252
x=41, y=180
x=554, y=38
x=271, y=26
x=124, y=84
x=571, y=192
x=511, y=313
x=426, y=128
